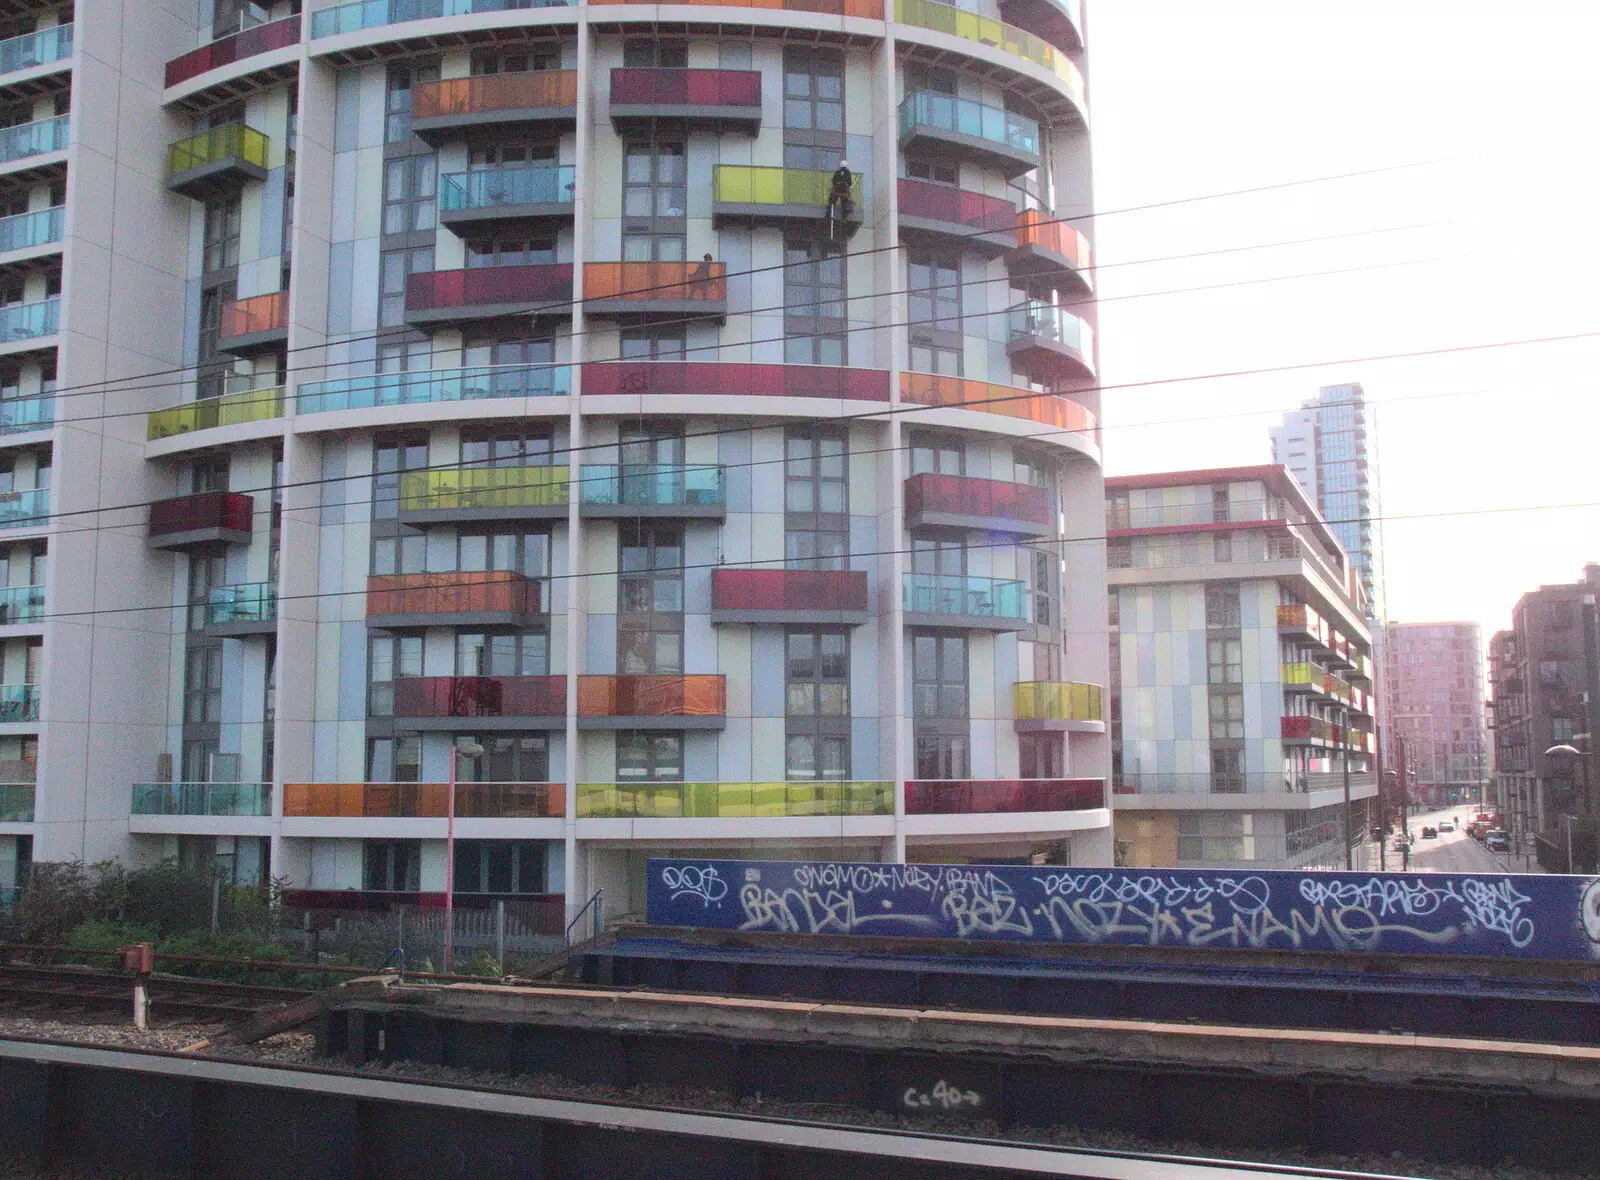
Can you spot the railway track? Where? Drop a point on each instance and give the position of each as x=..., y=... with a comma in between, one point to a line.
x=26, y=989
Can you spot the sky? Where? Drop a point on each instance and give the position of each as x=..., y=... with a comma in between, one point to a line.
x=1483, y=227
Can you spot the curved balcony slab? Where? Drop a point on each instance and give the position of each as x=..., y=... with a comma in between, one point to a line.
x=944, y=125
x=492, y=104
x=1050, y=342
x=1052, y=706
x=1069, y=423
x=216, y=162
x=988, y=505
x=735, y=379
x=1050, y=253
x=1059, y=22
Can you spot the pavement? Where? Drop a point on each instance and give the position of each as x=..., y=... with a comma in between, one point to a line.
x=1452, y=852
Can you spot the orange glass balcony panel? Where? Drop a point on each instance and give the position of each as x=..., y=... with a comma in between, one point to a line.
x=452, y=593
x=928, y=389
x=652, y=696
x=260, y=313
x=1034, y=228
x=529, y=90
x=654, y=281
x=366, y=800
x=511, y=800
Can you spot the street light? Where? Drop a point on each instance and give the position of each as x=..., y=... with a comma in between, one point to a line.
x=459, y=749
x=1583, y=762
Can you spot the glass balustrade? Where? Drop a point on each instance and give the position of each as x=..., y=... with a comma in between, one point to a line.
x=434, y=385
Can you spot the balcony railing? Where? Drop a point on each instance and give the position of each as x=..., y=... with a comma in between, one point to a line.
x=928, y=389
x=375, y=14
x=19, y=702
x=639, y=284
x=467, y=489
x=480, y=696
x=493, y=98
x=507, y=187
x=1306, y=729
x=204, y=518
x=246, y=602
x=733, y=800
x=745, y=184
x=28, y=321
x=433, y=385
x=23, y=231
x=36, y=49
x=869, y=9
x=24, y=509
x=987, y=503
x=1208, y=511
x=423, y=800
x=1316, y=678
x=490, y=592
x=653, y=485
x=242, y=799
x=685, y=88
x=1047, y=235
x=965, y=596
x=489, y=291
x=989, y=796
x=1060, y=21
x=230, y=141
x=278, y=34
x=653, y=696
x=16, y=803
x=954, y=206
x=19, y=414
x=34, y=139
x=742, y=591
x=1203, y=782
x=233, y=409
x=1053, y=700
x=702, y=379
x=962, y=116
x=253, y=316
x=1033, y=321
x=983, y=30
x=21, y=604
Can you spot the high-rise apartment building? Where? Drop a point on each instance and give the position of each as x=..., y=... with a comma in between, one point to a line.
x=1434, y=690
x=392, y=388
x=1241, y=674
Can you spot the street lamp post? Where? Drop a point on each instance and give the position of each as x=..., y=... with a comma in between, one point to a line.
x=1583, y=762
x=458, y=750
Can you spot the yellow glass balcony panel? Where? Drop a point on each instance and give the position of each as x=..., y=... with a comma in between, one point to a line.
x=774, y=800
x=483, y=487
x=1048, y=700
x=743, y=184
x=253, y=405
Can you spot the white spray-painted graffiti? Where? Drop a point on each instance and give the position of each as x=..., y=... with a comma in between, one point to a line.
x=1459, y=913
x=943, y=1095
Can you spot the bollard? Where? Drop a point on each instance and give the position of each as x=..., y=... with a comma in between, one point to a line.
x=139, y=961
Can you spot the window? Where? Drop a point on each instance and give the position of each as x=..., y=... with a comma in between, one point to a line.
x=510, y=153
x=938, y=555
x=518, y=367
x=653, y=344
x=937, y=171
x=393, y=454
x=499, y=866
x=1040, y=755
x=395, y=760
x=514, y=61
x=1227, y=771
x=938, y=676
x=208, y=475
x=390, y=658
x=202, y=685
x=942, y=756
x=655, y=201
x=1222, y=606
x=507, y=446
x=397, y=122
x=938, y=454
x=410, y=194
x=816, y=497
x=813, y=92
x=506, y=758
x=814, y=301
x=934, y=284
x=394, y=268
x=1224, y=661
x=221, y=234
x=510, y=252
x=1227, y=715
x=1035, y=565
x=817, y=667
x=1032, y=470
x=524, y=654
x=525, y=553
x=650, y=599
x=206, y=572
x=1215, y=837
x=648, y=757
x=647, y=52
x=392, y=866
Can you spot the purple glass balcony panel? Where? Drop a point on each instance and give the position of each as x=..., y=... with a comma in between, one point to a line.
x=841, y=590
x=711, y=379
x=986, y=796
x=480, y=696
x=227, y=50
x=208, y=510
x=940, y=202
x=527, y=285
x=696, y=88
x=961, y=495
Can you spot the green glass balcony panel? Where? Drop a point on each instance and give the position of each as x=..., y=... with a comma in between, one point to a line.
x=984, y=30
x=16, y=803
x=652, y=484
x=19, y=702
x=238, y=799
x=779, y=800
x=234, y=409
x=33, y=139
x=964, y=595
x=374, y=14
x=18, y=414
x=247, y=602
x=27, y=321
x=1053, y=323
x=26, y=230
x=743, y=184
x=220, y=143
x=24, y=509
x=434, y=385
x=923, y=108
x=521, y=184
x=21, y=604
x=483, y=487
x=36, y=49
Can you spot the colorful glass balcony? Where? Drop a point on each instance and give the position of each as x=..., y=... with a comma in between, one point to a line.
x=423, y=800
x=20, y=510
x=234, y=409
x=249, y=608
x=1057, y=706
x=247, y=43
x=488, y=292
x=440, y=702
x=494, y=103
x=656, y=288
x=433, y=385
x=21, y=414
x=217, y=162
x=712, y=379
x=254, y=325
x=238, y=799
x=1302, y=621
x=965, y=502
x=24, y=231
x=984, y=30
x=990, y=796
x=973, y=220
x=205, y=519
x=627, y=702
x=529, y=196
x=928, y=389
x=41, y=48
x=717, y=100
x=965, y=600
x=479, y=598
x=868, y=9
x=637, y=490
x=1050, y=342
x=21, y=604
x=29, y=321
x=19, y=702
x=942, y=125
x=511, y=800
x=1306, y=730
x=16, y=803
x=1306, y=676
x=1051, y=253
x=484, y=493
x=34, y=139
x=789, y=596
x=1059, y=22
x=748, y=194
x=733, y=800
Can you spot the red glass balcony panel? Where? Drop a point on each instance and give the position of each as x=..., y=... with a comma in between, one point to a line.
x=522, y=288
x=652, y=696
x=962, y=495
x=227, y=511
x=713, y=379
x=483, y=93
x=1305, y=729
x=988, y=796
x=795, y=590
x=480, y=696
x=492, y=591
x=698, y=88
x=226, y=50
x=260, y=313
x=940, y=202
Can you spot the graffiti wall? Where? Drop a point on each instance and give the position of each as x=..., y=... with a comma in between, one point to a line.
x=1523, y=916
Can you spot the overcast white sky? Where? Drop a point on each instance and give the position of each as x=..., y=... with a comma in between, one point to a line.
x=1193, y=97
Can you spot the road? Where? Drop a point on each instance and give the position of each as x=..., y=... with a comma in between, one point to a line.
x=1453, y=852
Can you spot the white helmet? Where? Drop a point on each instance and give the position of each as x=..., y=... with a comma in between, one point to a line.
x=844, y=163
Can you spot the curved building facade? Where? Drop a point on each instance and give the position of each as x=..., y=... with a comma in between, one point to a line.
x=505, y=393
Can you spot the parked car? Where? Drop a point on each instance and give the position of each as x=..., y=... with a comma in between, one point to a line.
x=1446, y=825
x=1401, y=843
x=1497, y=841
x=1430, y=833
